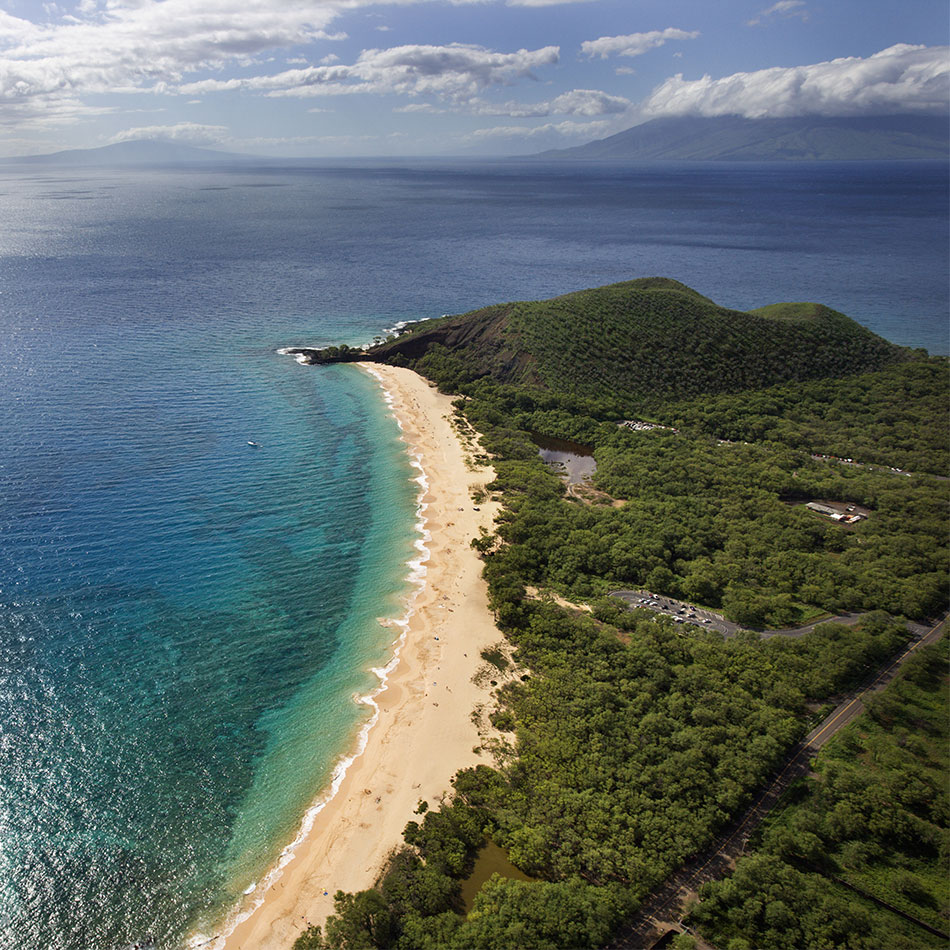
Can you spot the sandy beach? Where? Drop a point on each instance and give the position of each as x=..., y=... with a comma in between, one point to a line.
x=424, y=733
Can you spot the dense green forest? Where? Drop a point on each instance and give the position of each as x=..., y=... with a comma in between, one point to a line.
x=640, y=340
x=626, y=742
x=875, y=817
x=722, y=525
x=896, y=417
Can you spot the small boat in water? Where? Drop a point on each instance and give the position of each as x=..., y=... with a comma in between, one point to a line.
x=256, y=445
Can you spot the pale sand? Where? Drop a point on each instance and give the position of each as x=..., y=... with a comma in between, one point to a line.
x=425, y=732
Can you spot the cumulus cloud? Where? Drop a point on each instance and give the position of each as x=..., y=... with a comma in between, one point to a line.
x=589, y=102
x=901, y=78
x=784, y=9
x=126, y=46
x=457, y=71
x=582, y=102
x=634, y=44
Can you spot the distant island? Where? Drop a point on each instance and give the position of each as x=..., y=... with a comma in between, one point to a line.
x=137, y=153
x=803, y=138
x=765, y=529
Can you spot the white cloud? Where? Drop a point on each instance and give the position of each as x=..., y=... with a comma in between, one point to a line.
x=581, y=130
x=457, y=72
x=127, y=46
x=634, y=44
x=219, y=135
x=899, y=79
x=785, y=9
x=589, y=102
x=420, y=107
x=580, y=102
x=583, y=102
x=190, y=132
x=545, y=3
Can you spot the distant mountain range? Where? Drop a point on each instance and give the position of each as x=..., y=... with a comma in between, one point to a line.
x=138, y=152
x=806, y=138
x=723, y=138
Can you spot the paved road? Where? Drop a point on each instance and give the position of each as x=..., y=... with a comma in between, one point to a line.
x=667, y=905
x=690, y=615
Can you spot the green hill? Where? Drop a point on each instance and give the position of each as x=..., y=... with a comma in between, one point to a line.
x=639, y=339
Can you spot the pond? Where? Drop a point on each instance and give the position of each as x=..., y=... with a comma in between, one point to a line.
x=570, y=459
x=492, y=859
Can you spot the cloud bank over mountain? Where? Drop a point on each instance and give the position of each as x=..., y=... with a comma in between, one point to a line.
x=901, y=78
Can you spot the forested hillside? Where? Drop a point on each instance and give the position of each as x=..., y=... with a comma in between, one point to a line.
x=630, y=741
x=895, y=417
x=637, y=341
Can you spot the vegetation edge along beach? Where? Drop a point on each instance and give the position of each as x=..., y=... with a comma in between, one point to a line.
x=727, y=445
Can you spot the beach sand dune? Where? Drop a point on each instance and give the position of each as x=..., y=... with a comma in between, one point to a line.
x=425, y=732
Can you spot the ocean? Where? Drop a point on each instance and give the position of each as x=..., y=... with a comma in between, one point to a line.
x=198, y=535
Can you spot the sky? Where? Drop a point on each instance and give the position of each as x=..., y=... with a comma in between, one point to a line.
x=331, y=78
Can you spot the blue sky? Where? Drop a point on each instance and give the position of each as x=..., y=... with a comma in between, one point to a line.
x=447, y=77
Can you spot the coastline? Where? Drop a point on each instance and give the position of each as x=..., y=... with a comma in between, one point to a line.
x=422, y=731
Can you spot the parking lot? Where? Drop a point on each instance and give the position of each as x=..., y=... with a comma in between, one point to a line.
x=688, y=615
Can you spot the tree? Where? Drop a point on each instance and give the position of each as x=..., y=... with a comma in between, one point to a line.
x=360, y=921
x=539, y=916
x=310, y=939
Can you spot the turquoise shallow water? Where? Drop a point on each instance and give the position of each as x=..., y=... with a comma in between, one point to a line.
x=185, y=618
x=196, y=619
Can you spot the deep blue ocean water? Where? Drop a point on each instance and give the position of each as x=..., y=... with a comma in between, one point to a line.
x=185, y=618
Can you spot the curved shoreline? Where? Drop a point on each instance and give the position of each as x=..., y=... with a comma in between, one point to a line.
x=421, y=731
